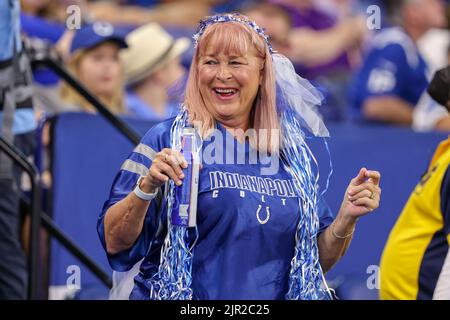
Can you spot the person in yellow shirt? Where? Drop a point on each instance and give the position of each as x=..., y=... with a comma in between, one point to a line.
x=416, y=260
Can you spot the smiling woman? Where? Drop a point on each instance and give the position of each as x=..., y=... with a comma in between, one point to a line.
x=229, y=68
x=232, y=58
x=253, y=240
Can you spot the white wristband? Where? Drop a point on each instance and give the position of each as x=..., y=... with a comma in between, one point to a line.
x=143, y=195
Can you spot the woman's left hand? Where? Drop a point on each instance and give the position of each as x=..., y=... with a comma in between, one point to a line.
x=362, y=195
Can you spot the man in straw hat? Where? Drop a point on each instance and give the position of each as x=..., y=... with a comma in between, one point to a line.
x=152, y=65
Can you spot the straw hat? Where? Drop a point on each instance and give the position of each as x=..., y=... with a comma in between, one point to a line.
x=149, y=47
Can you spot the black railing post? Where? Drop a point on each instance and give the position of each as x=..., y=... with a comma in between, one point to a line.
x=70, y=245
x=33, y=260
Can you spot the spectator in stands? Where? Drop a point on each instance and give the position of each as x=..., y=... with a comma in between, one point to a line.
x=393, y=76
x=50, y=21
x=152, y=65
x=95, y=62
x=325, y=50
x=319, y=42
x=416, y=260
x=43, y=23
x=275, y=20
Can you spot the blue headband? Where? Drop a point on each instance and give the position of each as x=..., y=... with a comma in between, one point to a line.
x=231, y=17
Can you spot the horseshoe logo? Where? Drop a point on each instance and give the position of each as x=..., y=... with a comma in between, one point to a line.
x=267, y=215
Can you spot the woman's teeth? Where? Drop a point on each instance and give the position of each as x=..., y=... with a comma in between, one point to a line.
x=225, y=91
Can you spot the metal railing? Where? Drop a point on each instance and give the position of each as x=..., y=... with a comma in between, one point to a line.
x=68, y=243
x=46, y=58
x=33, y=259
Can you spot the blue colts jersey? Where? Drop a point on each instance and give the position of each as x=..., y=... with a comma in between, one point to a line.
x=246, y=221
x=392, y=67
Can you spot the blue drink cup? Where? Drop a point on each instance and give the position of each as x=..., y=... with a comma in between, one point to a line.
x=184, y=212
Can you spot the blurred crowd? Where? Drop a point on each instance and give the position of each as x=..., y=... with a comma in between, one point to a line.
x=372, y=65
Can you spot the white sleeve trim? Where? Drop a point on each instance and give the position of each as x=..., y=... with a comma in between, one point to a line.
x=123, y=283
x=442, y=290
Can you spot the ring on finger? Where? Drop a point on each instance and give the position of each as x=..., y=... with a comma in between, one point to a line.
x=372, y=195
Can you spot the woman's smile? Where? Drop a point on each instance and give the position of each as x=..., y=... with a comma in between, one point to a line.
x=225, y=93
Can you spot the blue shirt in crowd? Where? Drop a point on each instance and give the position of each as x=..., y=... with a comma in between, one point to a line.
x=236, y=256
x=392, y=67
